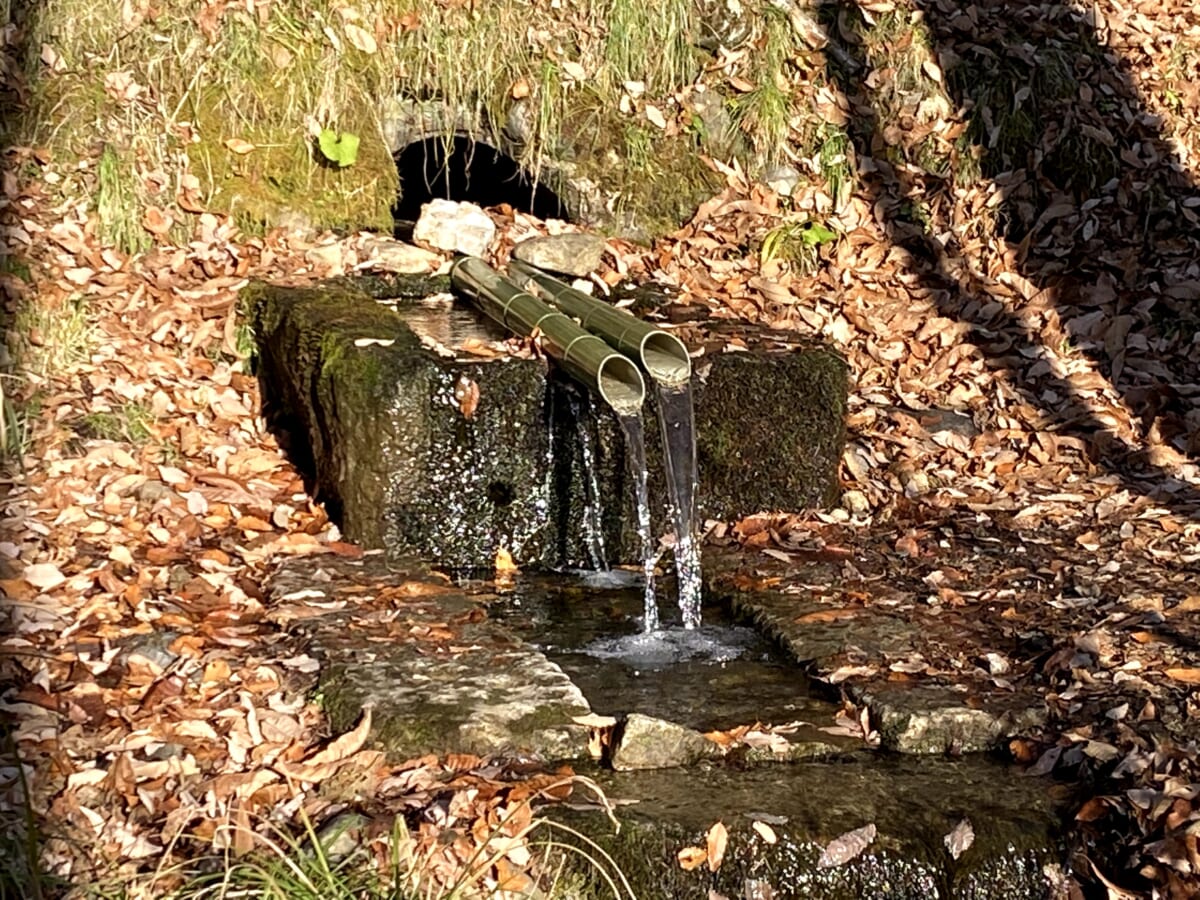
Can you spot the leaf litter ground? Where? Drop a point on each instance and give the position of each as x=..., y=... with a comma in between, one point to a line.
x=1021, y=463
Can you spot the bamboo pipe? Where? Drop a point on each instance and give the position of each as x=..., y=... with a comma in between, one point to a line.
x=662, y=355
x=585, y=357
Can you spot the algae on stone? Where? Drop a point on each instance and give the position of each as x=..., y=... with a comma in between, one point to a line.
x=785, y=455
x=913, y=804
x=373, y=415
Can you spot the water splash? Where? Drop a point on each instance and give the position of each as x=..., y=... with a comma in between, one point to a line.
x=677, y=422
x=635, y=448
x=673, y=646
x=593, y=508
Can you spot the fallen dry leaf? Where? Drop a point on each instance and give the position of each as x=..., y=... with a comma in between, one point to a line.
x=960, y=838
x=239, y=146
x=846, y=847
x=717, y=840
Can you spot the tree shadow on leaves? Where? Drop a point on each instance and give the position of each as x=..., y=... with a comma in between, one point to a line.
x=1081, y=227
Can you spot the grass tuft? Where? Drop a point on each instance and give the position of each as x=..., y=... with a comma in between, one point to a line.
x=797, y=242
x=130, y=422
x=118, y=205
x=219, y=104
x=52, y=340
x=765, y=113
x=318, y=864
x=651, y=42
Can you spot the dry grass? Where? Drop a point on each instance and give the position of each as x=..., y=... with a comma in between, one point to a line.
x=153, y=96
x=156, y=96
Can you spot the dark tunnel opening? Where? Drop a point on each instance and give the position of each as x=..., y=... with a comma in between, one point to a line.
x=469, y=171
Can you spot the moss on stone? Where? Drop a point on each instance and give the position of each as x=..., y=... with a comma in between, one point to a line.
x=782, y=455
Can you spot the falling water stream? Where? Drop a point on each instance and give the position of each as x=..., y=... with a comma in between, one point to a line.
x=635, y=444
x=593, y=511
x=677, y=422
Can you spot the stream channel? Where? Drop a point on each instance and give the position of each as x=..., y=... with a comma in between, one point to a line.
x=829, y=793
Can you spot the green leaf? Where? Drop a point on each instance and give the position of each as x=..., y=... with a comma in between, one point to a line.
x=816, y=235
x=338, y=147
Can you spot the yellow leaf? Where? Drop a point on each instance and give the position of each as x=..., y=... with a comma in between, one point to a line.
x=764, y=831
x=466, y=393
x=691, y=857
x=1186, y=675
x=346, y=745
x=504, y=563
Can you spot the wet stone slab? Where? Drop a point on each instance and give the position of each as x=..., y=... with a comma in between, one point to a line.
x=912, y=805
x=874, y=655
x=438, y=676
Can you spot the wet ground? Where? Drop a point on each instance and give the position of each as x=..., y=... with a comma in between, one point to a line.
x=789, y=825
x=510, y=667
x=713, y=678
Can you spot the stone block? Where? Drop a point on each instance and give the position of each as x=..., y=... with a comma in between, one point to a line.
x=376, y=418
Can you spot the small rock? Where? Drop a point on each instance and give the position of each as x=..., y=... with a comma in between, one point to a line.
x=461, y=227
x=342, y=835
x=384, y=254
x=568, y=254
x=649, y=743
x=934, y=718
x=330, y=259
x=165, y=751
x=997, y=664
x=151, y=491
x=152, y=648
x=856, y=503
x=782, y=179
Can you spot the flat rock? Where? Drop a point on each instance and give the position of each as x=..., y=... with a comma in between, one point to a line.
x=781, y=820
x=567, y=254
x=384, y=254
x=939, y=718
x=458, y=227
x=440, y=678
x=649, y=743
x=853, y=648
x=782, y=179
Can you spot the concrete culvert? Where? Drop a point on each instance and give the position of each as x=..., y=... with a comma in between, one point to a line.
x=467, y=171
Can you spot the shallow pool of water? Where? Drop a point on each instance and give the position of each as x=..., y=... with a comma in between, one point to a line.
x=715, y=677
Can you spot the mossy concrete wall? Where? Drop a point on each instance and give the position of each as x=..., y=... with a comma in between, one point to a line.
x=372, y=416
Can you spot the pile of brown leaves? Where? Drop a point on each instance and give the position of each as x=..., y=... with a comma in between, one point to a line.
x=1041, y=390
x=158, y=709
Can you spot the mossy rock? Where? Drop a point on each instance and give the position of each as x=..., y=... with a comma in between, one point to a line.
x=912, y=805
x=371, y=415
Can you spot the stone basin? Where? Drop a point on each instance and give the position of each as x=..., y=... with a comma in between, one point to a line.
x=367, y=398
